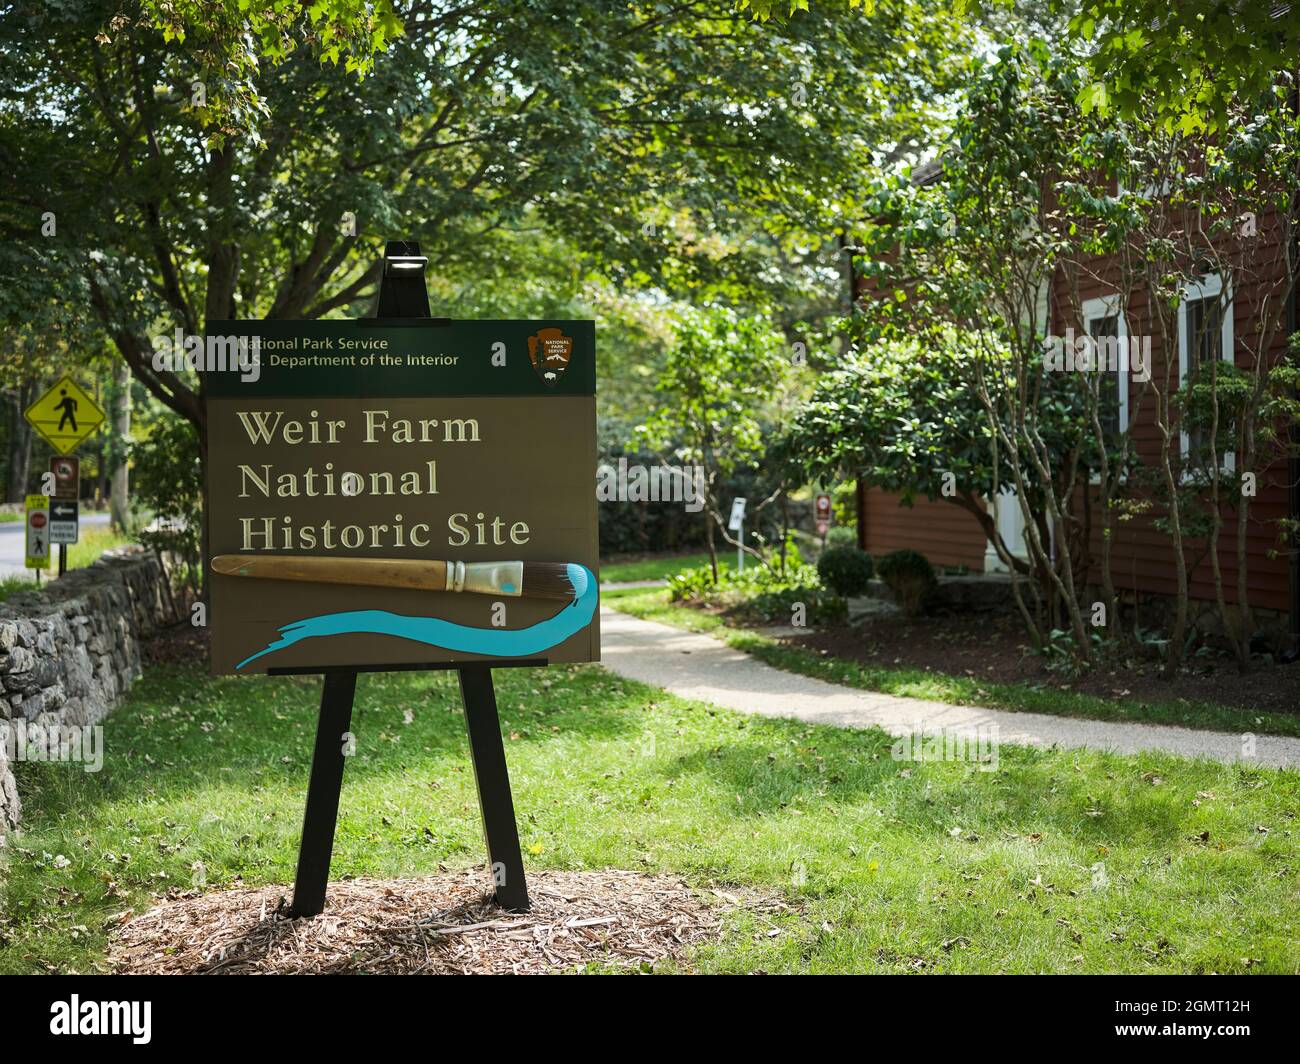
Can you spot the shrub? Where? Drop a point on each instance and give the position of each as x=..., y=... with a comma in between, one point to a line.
x=167, y=481
x=821, y=606
x=910, y=576
x=761, y=594
x=842, y=536
x=692, y=583
x=845, y=570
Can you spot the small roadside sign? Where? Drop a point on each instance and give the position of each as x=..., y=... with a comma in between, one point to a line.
x=64, y=521
x=822, y=507
x=65, y=415
x=38, y=531
x=67, y=477
x=737, y=515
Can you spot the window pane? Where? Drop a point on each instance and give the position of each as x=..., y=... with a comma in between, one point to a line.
x=1205, y=327
x=1204, y=342
x=1109, y=359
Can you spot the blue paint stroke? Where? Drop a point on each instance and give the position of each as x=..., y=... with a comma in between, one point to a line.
x=495, y=642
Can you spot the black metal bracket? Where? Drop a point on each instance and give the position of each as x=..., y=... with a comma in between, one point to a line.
x=403, y=294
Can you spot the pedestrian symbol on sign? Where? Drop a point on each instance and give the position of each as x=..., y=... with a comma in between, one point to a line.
x=65, y=415
x=38, y=532
x=68, y=405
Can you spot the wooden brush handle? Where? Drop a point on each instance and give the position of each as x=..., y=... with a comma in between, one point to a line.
x=364, y=572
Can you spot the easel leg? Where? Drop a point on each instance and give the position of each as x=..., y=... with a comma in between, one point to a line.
x=489, y=756
x=323, y=794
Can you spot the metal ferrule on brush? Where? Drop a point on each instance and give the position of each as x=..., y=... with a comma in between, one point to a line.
x=486, y=578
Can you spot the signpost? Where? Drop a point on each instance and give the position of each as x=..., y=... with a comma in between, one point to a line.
x=65, y=505
x=737, y=524
x=38, y=533
x=403, y=493
x=63, y=416
x=822, y=513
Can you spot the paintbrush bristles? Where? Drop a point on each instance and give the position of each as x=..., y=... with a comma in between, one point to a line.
x=548, y=580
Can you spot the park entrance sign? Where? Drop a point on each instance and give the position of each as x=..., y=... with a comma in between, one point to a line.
x=402, y=492
x=397, y=494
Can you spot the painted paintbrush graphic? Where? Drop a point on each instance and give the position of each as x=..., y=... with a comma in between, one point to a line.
x=544, y=580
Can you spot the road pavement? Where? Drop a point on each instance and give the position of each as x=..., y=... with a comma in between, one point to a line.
x=13, y=545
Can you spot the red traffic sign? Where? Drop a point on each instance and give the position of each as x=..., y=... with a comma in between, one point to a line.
x=822, y=506
x=38, y=520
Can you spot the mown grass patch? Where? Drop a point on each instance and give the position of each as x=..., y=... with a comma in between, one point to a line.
x=1069, y=861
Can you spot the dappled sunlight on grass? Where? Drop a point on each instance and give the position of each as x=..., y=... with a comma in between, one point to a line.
x=890, y=866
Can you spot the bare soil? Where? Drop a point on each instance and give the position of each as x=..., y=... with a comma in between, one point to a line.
x=181, y=644
x=993, y=647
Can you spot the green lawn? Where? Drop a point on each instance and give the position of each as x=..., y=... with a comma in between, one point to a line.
x=661, y=567
x=94, y=541
x=1059, y=861
x=652, y=604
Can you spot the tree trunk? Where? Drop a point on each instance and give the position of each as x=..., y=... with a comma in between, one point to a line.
x=708, y=540
x=119, y=495
x=20, y=443
x=101, y=478
x=785, y=526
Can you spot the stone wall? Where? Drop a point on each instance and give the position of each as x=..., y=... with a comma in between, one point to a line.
x=69, y=652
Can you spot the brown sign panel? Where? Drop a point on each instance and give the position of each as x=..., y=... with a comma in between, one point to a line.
x=385, y=494
x=67, y=476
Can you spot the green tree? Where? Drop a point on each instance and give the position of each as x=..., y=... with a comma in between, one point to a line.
x=905, y=418
x=723, y=373
x=1214, y=204
x=229, y=39
x=658, y=147
x=972, y=249
x=1187, y=63
x=168, y=487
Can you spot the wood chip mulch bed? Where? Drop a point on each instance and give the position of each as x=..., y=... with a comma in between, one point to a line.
x=443, y=924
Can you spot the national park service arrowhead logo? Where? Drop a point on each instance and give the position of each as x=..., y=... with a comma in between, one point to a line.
x=550, y=351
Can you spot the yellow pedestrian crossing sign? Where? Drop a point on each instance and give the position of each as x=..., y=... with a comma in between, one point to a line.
x=65, y=415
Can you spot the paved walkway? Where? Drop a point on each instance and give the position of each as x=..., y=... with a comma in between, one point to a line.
x=700, y=667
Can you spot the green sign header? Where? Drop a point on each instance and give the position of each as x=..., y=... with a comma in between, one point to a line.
x=369, y=357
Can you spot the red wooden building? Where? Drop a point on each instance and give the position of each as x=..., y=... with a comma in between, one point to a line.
x=1142, y=557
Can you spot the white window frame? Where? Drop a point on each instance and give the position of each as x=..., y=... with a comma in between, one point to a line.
x=1111, y=306
x=1010, y=524
x=1211, y=286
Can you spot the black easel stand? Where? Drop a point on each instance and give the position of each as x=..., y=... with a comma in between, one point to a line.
x=402, y=294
